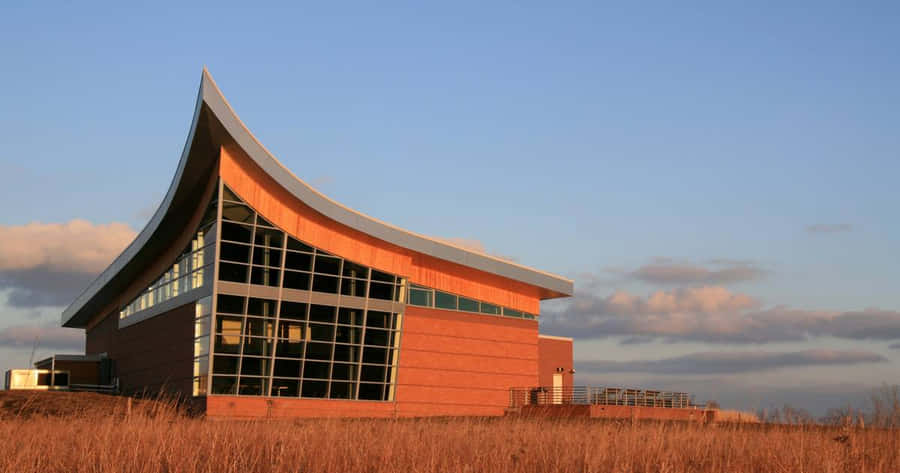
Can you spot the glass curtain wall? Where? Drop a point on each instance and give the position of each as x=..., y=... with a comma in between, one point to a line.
x=191, y=270
x=333, y=332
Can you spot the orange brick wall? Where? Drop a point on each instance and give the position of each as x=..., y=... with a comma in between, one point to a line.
x=453, y=363
x=554, y=353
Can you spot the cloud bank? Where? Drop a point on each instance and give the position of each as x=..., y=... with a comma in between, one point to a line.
x=829, y=228
x=665, y=272
x=732, y=362
x=49, y=337
x=710, y=314
x=51, y=263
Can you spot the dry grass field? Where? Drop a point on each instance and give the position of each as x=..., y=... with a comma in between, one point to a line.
x=78, y=433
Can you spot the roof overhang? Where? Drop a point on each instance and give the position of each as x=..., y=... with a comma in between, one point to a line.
x=214, y=124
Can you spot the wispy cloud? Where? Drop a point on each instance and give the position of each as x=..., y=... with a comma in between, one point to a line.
x=710, y=314
x=667, y=272
x=47, y=336
x=50, y=263
x=829, y=228
x=732, y=362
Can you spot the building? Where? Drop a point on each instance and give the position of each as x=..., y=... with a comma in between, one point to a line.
x=259, y=296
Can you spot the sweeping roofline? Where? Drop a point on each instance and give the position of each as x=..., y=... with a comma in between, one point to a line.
x=212, y=97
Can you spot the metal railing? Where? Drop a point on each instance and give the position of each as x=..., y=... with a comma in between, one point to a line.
x=586, y=395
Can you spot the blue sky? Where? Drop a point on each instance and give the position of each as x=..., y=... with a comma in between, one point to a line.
x=604, y=143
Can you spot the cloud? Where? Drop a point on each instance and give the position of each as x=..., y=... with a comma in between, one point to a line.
x=829, y=228
x=732, y=362
x=710, y=314
x=674, y=273
x=50, y=263
x=49, y=337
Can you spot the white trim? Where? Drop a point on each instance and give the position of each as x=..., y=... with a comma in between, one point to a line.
x=553, y=337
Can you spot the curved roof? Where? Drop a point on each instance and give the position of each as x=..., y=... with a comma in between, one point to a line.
x=214, y=122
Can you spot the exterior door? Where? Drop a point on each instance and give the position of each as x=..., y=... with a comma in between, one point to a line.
x=557, y=388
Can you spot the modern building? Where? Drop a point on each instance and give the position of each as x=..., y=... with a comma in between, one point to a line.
x=259, y=296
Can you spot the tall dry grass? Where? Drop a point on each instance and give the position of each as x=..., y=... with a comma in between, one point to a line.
x=157, y=438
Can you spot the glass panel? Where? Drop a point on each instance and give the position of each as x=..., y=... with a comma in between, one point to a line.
x=225, y=364
x=224, y=345
x=237, y=212
x=511, y=313
x=203, y=307
x=288, y=349
x=442, y=300
x=224, y=385
x=321, y=313
x=348, y=334
x=350, y=316
x=375, y=355
x=293, y=310
x=420, y=297
x=285, y=388
x=201, y=346
x=372, y=373
x=287, y=368
x=340, y=390
x=268, y=237
x=295, y=280
x=321, y=332
x=468, y=305
x=254, y=366
x=346, y=353
x=298, y=261
x=318, y=351
x=316, y=370
x=230, y=304
x=252, y=386
x=354, y=270
x=327, y=284
x=379, y=276
x=378, y=290
x=376, y=337
x=343, y=371
x=378, y=319
x=261, y=307
x=291, y=331
x=233, y=272
x=371, y=391
x=259, y=327
x=257, y=346
x=201, y=326
x=236, y=232
x=265, y=256
x=490, y=309
x=327, y=265
x=314, y=388
x=265, y=276
x=353, y=287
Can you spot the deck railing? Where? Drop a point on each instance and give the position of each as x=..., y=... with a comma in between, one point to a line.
x=582, y=395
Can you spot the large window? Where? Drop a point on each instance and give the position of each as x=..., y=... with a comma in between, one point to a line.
x=295, y=349
x=428, y=297
x=304, y=344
